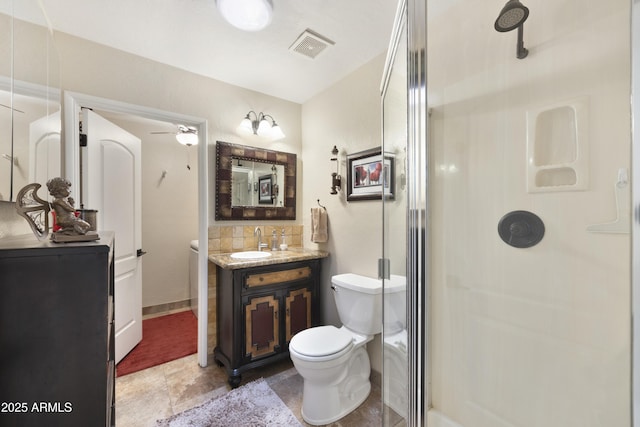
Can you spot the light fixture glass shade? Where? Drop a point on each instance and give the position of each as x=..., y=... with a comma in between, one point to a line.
x=246, y=15
x=276, y=132
x=246, y=124
x=264, y=128
x=187, y=138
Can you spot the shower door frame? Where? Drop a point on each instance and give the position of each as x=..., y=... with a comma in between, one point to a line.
x=417, y=214
x=635, y=226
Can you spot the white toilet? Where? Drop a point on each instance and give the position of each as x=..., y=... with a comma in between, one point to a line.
x=333, y=361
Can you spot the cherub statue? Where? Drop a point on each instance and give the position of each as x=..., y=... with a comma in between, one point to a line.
x=63, y=206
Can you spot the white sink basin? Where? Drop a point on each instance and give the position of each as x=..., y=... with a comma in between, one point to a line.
x=250, y=255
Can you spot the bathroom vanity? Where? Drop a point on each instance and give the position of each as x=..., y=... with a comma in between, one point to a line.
x=261, y=305
x=56, y=332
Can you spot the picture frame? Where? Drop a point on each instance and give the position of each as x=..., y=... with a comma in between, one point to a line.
x=265, y=190
x=370, y=175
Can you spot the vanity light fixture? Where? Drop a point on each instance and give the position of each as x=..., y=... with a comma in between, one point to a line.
x=187, y=136
x=246, y=15
x=262, y=125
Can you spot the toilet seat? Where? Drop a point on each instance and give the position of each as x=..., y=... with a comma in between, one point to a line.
x=321, y=343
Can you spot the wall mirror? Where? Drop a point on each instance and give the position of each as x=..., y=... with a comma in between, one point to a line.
x=30, y=120
x=254, y=183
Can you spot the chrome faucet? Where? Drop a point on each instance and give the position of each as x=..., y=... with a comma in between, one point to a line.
x=258, y=232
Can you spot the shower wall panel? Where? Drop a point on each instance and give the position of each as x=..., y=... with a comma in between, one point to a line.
x=537, y=336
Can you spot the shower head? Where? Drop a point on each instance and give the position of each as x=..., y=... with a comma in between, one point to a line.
x=512, y=16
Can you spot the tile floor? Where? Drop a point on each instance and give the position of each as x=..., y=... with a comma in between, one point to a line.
x=164, y=390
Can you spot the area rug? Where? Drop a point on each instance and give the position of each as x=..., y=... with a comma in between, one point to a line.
x=164, y=339
x=254, y=404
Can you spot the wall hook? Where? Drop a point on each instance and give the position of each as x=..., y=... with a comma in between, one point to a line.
x=12, y=159
x=622, y=223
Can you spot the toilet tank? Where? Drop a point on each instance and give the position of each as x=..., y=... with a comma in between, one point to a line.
x=359, y=302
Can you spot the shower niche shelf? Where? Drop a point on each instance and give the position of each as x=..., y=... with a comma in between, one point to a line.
x=557, y=147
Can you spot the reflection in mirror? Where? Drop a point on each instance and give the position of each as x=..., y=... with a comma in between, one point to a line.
x=246, y=176
x=30, y=147
x=254, y=183
x=30, y=125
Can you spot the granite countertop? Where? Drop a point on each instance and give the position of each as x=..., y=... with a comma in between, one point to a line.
x=277, y=257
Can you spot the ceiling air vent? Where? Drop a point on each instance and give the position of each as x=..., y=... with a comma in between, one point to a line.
x=310, y=44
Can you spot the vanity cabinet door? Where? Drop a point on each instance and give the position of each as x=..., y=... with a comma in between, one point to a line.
x=297, y=312
x=262, y=331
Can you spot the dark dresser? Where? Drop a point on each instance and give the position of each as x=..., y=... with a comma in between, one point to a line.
x=56, y=332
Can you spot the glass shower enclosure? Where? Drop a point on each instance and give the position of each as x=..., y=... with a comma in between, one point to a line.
x=514, y=225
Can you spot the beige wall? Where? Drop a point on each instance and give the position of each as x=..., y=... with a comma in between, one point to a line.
x=346, y=115
x=100, y=71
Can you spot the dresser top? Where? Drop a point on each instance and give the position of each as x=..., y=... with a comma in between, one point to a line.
x=28, y=243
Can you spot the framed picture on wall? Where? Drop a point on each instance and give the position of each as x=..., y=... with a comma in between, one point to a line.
x=370, y=175
x=264, y=190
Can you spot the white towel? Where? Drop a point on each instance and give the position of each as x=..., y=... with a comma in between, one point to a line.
x=319, y=232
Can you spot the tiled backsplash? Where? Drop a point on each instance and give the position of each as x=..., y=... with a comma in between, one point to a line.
x=231, y=238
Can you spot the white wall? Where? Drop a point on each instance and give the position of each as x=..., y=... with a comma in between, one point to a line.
x=537, y=336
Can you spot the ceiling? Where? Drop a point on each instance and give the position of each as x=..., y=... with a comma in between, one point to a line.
x=191, y=35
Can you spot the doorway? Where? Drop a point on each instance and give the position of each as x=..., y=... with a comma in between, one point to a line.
x=151, y=120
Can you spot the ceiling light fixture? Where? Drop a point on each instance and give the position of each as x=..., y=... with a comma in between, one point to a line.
x=187, y=136
x=247, y=15
x=262, y=125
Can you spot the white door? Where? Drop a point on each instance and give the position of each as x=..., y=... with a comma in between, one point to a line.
x=111, y=180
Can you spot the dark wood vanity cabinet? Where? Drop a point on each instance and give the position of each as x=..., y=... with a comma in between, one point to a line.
x=56, y=333
x=260, y=309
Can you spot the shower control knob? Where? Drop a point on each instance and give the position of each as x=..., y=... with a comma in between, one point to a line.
x=521, y=229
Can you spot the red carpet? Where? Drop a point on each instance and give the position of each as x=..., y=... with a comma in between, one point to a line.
x=164, y=339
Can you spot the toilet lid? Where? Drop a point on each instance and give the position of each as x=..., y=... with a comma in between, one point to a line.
x=320, y=341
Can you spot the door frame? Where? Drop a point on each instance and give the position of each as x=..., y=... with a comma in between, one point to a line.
x=72, y=104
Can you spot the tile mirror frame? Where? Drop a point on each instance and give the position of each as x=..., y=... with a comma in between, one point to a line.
x=224, y=211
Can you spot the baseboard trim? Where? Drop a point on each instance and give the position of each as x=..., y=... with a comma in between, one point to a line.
x=167, y=308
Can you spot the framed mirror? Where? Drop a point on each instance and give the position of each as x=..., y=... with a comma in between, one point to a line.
x=254, y=183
